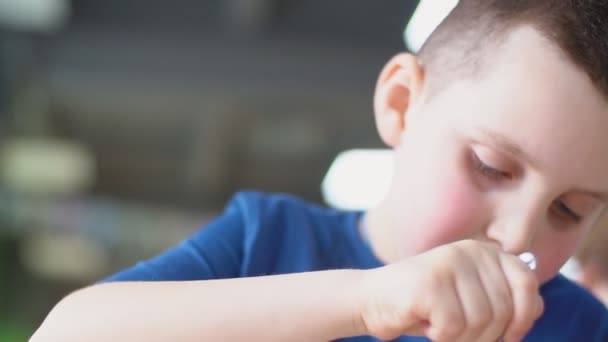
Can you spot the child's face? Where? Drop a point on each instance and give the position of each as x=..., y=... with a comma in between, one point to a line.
x=518, y=156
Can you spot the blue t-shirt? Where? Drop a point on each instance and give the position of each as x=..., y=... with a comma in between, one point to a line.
x=261, y=234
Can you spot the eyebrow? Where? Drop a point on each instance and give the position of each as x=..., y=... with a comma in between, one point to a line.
x=505, y=143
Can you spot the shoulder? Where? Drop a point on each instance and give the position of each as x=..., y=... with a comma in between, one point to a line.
x=283, y=233
x=256, y=206
x=573, y=311
x=279, y=218
x=258, y=201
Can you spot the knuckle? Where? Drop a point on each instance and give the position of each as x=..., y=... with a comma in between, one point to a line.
x=519, y=331
x=480, y=321
x=476, y=327
x=451, y=252
x=527, y=282
x=456, y=253
x=448, y=332
x=464, y=243
x=504, y=313
x=467, y=245
x=432, y=282
x=455, y=325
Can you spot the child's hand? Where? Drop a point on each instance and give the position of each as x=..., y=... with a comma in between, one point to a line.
x=465, y=291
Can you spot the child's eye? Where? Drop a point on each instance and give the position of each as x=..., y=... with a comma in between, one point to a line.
x=563, y=210
x=488, y=171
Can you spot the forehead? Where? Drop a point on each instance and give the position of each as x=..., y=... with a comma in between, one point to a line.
x=531, y=93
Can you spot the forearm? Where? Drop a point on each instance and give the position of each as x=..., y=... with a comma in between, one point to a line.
x=316, y=306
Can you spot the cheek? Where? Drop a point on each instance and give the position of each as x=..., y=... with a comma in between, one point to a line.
x=553, y=250
x=450, y=211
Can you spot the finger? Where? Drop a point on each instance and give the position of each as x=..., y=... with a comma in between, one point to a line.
x=499, y=293
x=476, y=302
x=526, y=298
x=447, y=319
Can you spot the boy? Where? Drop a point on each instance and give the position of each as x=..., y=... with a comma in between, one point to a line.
x=499, y=134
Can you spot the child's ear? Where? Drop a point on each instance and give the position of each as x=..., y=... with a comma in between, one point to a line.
x=399, y=85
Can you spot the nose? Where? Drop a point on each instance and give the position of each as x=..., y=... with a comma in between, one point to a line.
x=516, y=232
x=519, y=216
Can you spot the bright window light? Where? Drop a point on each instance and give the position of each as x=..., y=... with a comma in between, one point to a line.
x=426, y=18
x=358, y=179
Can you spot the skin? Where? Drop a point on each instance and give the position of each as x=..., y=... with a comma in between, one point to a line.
x=533, y=97
x=449, y=229
x=590, y=272
x=592, y=278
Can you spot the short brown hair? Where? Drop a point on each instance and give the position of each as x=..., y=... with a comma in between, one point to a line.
x=578, y=27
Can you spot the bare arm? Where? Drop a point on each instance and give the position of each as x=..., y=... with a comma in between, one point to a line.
x=317, y=306
x=465, y=291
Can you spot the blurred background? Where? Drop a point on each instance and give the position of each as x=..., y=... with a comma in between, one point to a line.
x=125, y=125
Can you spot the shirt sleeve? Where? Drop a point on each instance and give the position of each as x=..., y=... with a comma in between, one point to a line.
x=214, y=252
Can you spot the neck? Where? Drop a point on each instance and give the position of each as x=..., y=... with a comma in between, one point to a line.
x=379, y=235
x=600, y=290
